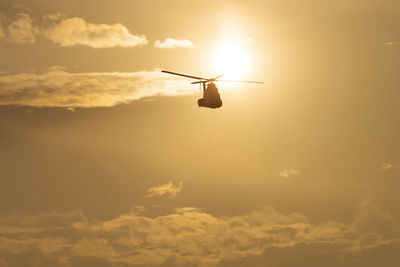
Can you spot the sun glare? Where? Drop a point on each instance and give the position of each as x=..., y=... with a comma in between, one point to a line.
x=231, y=60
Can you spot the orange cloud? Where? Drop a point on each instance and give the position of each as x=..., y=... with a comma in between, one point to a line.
x=388, y=166
x=192, y=237
x=21, y=30
x=1, y=32
x=59, y=88
x=169, y=190
x=76, y=31
x=288, y=172
x=392, y=43
x=173, y=43
x=71, y=31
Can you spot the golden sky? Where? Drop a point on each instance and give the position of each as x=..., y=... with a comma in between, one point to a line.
x=106, y=161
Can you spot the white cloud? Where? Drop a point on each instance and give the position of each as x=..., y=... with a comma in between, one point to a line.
x=76, y=31
x=169, y=190
x=172, y=43
x=21, y=30
x=59, y=88
x=288, y=172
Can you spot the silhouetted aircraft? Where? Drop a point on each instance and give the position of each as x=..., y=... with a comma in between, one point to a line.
x=211, y=97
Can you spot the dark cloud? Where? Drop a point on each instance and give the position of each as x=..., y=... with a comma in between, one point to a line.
x=320, y=254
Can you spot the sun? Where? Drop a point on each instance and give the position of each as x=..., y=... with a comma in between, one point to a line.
x=231, y=59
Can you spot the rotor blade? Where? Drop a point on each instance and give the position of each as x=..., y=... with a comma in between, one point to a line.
x=209, y=80
x=183, y=75
x=235, y=81
x=200, y=82
x=218, y=77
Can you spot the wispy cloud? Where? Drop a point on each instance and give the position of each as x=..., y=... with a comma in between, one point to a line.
x=22, y=30
x=54, y=17
x=288, y=172
x=388, y=166
x=76, y=31
x=169, y=190
x=392, y=43
x=173, y=43
x=59, y=88
x=190, y=237
x=187, y=209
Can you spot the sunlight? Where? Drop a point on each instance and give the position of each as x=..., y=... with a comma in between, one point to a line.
x=231, y=59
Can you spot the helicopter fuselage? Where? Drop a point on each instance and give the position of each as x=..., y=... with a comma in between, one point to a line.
x=211, y=97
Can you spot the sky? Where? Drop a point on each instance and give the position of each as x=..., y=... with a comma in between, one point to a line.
x=106, y=161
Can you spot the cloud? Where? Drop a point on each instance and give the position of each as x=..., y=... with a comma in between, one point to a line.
x=392, y=43
x=76, y=31
x=53, y=17
x=21, y=30
x=59, y=88
x=71, y=31
x=288, y=172
x=388, y=166
x=371, y=219
x=186, y=209
x=1, y=32
x=43, y=219
x=172, y=43
x=169, y=190
x=190, y=237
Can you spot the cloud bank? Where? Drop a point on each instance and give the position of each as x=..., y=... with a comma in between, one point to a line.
x=194, y=238
x=59, y=88
x=169, y=190
x=172, y=43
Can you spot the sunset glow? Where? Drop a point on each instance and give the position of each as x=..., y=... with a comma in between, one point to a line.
x=231, y=59
x=177, y=133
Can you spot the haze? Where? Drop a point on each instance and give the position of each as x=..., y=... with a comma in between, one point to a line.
x=106, y=161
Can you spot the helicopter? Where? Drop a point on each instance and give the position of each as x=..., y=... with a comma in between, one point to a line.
x=211, y=97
